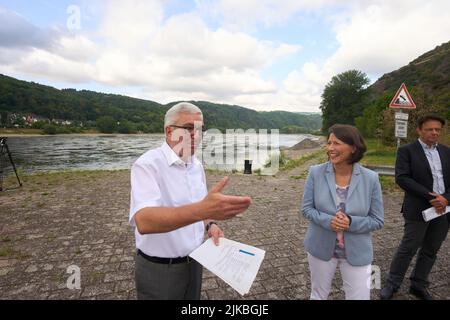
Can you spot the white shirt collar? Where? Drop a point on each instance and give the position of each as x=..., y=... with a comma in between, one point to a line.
x=173, y=158
x=425, y=146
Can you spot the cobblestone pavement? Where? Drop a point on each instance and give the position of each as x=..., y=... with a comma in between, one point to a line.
x=81, y=219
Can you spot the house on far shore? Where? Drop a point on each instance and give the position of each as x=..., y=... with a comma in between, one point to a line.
x=31, y=118
x=62, y=122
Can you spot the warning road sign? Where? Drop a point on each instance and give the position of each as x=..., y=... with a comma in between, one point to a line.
x=402, y=99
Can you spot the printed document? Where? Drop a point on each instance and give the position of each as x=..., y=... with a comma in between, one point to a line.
x=431, y=213
x=235, y=263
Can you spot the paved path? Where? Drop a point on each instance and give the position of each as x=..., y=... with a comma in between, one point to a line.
x=80, y=219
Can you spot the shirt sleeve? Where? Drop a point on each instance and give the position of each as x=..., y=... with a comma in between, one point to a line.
x=145, y=190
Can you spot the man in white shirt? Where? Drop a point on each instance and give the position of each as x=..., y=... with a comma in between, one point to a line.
x=170, y=209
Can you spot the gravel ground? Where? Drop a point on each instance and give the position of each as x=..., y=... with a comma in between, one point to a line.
x=81, y=218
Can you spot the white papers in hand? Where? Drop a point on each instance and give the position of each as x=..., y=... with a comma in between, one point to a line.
x=431, y=213
x=235, y=263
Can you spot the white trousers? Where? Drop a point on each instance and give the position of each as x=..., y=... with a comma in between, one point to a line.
x=356, y=280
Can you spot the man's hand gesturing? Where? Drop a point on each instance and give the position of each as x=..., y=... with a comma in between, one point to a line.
x=222, y=207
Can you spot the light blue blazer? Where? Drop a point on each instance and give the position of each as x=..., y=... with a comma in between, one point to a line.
x=364, y=205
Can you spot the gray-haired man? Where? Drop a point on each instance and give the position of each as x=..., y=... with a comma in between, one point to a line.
x=170, y=209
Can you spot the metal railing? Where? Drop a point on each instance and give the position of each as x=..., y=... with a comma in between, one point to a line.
x=383, y=170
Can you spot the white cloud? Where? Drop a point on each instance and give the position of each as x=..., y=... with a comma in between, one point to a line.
x=386, y=35
x=299, y=92
x=130, y=24
x=40, y=62
x=77, y=48
x=183, y=55
x=375, y=37
x=187, y=36
x=138, y=47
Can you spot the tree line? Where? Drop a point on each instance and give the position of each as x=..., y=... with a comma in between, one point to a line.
x=115, y=113
x=347, y=99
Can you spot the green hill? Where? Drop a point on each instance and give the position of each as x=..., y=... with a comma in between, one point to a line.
x=21, y=97
x=429, y=72
x=427, y=79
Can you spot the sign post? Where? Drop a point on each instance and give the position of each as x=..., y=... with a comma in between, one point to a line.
x=401, y=126
x=401, y=101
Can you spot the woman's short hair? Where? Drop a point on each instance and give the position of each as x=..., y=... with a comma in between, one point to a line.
x=351, y=136
x=171, y=116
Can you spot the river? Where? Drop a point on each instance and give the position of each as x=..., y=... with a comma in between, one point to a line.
x=33, y=154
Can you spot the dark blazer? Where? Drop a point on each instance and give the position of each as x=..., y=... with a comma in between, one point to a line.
x=413, y=175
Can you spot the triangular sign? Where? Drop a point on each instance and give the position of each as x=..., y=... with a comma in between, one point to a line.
x=402, y=99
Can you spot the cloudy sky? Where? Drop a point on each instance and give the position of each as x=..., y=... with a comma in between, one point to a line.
x=262, y=54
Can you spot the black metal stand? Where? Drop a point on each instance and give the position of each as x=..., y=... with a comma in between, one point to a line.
x=4, y=151
x=248, y=167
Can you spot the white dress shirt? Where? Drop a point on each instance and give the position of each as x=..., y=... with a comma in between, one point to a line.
x=159, y=178
x=434, y=161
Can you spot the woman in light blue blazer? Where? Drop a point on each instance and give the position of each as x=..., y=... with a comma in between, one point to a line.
x=343, y=202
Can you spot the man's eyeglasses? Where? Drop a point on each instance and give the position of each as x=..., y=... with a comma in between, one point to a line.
x=191, y=128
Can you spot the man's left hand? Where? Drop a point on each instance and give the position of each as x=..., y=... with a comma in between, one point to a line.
x=439, y=202
x=215, y=232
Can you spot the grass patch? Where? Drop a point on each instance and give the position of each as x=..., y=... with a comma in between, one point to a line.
x=98, y=276
x=6, y=239
x=318, y=156
x=274, y=156
x=7, y=252
x=379, y=155
x=388, y=184
x=301, y=176
x=56, y=177
x=219, y=172
x=51, y=237
x=20, y=131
